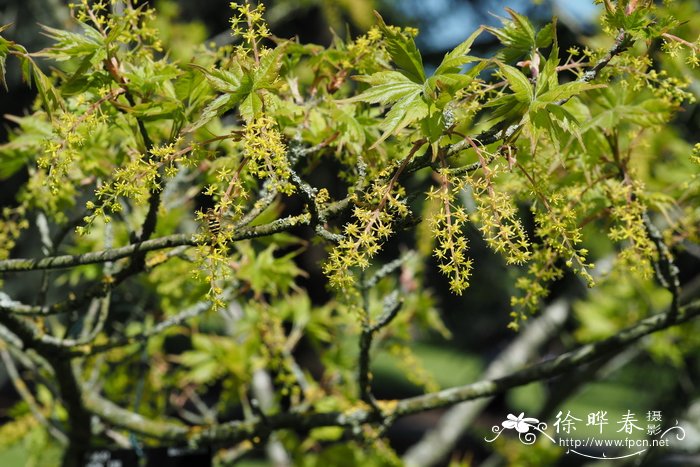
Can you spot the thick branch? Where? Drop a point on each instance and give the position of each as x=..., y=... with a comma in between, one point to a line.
x=91, y=350
x=67, y=261
x=169, y=241
x=237, y=431
x=666, y=270
x=79, y=431
x=622, y=43
x=439, y=441
x=99, y=289
x=131, y=421
x=49, y=345
x=392, y=305
x=364, y=377
x=549, y=368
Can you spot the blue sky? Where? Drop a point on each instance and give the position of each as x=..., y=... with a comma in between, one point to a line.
x=451, y=22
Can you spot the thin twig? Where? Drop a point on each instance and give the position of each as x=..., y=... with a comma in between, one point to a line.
x=27, y=397
x=392, y=305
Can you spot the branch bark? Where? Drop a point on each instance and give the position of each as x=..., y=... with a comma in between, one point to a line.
x=237, y=431
x=438, y=442
x=549, y=368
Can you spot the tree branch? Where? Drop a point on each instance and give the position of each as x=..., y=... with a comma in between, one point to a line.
x=549, y=368
x=622, y=42
x=237, y=431
x=111, y=254
x=79, y=427
x=169, y=241
x=440, y=440
x=108, y=411
x=191, y=312
x=391, y=307
x=28, y=334
x=666, y=271
x=28, y=398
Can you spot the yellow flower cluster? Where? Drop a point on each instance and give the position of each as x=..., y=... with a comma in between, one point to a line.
x=558, y=229
x=12, y=223
x=267, y=154
x=60, y=153
x=134, y=180
x=374, y=215
x=639, y=75
x=140, y=19
x=497, y=215
x=249, y=24
x=446, y=227
x=627, y=212
x=542, y=269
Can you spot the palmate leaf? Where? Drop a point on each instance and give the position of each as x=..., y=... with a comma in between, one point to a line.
x=403, y=52
x=541, y=99
x=5, y=46
x=151, y=78
x=455, y=59
x=192, y=90
x=386, y=87
x=545, y=35
x=564, y=118
x=157, y=109
x=449, y=83
x=234, y=83
x=24, y=145
x=563, y=92
x=547, y=89
x=521, y=86
x=213, y=357
x=518, y=36
x=506, y=108
x=266, y=73
x=223, y=80
x=387, y=93
x=616, y=105
x=407, y=110
x=257, y=268
x=49, y=95
x=71, y=45
x=558, y=122
x=216, y=107
x=392, y=87
x=251, y=106
x=549, y=77
x=433, y=125
x=240, y=86
x=546, y=110
x=523, y=24
x=352, y=131
x=407, y=90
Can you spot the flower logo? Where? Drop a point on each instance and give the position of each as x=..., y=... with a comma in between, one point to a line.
x=520, y=423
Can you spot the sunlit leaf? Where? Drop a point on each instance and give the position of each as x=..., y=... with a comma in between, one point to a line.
x=456, y=58
x=403, y=52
